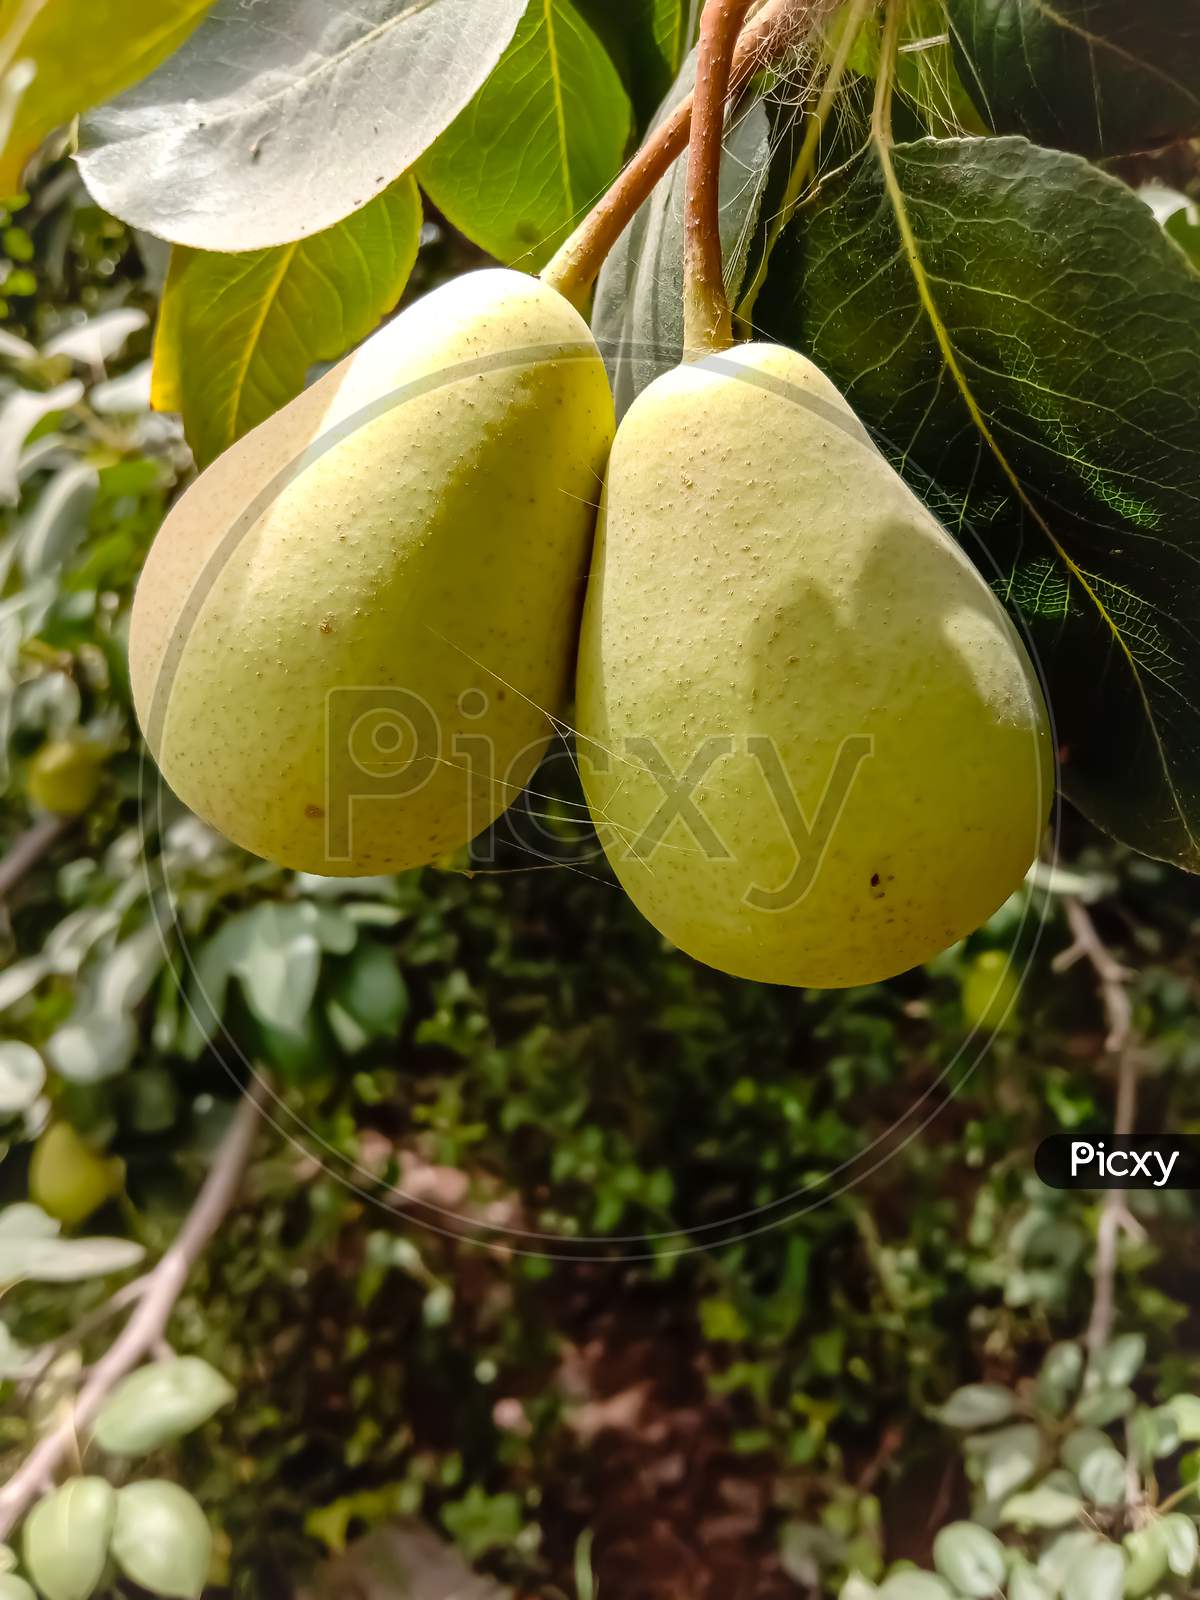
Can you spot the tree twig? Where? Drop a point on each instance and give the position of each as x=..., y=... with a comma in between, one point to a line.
x=766, y=36
x=162, y=1286
x=28, y=849
x=1113, y=982
x=707, y=323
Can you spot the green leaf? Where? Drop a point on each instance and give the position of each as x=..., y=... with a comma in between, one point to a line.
x=275, y=121
x=13, y=1587
x=237, y=334
x=41, y=1258
x=1121, y=1361
x=978, y=1405
x=541, y=141
x=1063, y=1554
x=1102, y=1476
x=1185, y=1408
x=80, y=55
x=1041, y=1508
x=22, y=1075
x=1006, y=1459
x=371, y=991
x=92, y=1047
x=159, y=1403
x=857, y=1588
x=1099, y=1575
x=65, y=1544
x=1101, y=77
x=1146, y=1554
x=915, y=1586
x=1075, y=327
x=1059, y=1377
x=162, y=1539
x=970, y=1558
x=1104, y=1406
x=1026, y=1583
x=1182, y=1542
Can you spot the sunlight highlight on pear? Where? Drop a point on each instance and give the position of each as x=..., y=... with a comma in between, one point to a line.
x=810, y=738
x=354, y=629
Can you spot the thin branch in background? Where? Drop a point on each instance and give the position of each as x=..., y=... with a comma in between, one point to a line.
x=27, y=850
x=1113, y=981
x=154, y=1298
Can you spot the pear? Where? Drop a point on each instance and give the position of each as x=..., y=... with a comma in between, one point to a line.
x=354, y=630
x=811, y=741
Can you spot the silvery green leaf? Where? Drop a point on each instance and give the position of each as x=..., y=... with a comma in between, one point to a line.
x=278, y=963
x=1102, y=1477
x=274, y=121
x=24, y=1220
x=162, y=1539
x=1064, y=1553
x=124, y=977
x=160, y=1403
x=1080, y=1443
x=978, y=1405
x=65, y=1543
x=128, y=395
x=97, y=340
x=57, y=524
x=1103, y=1406
x=1059, y=1377
x=1026, y=1583
x=20, y=412
x=1182, y=1541
x=21, y=979
x=1146, y=1556
x=22, y=1074
x=1008, y=1459
x=915, y=1586
x=1100, y=1575
x=1121, y=1361
x=1185, y=1409
x=970, y=1558
x=14, y=1359
x=92, y=1047
x=42, y=1260
x=858, y=1588
x=1167, y=1437
x=14, y=1588
x=1041, y=1508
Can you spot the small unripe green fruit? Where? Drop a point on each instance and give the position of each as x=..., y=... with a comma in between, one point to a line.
x=68, y=1179
x=64, y=776
x=990, y=989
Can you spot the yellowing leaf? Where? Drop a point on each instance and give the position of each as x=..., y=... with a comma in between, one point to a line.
x=238, y=333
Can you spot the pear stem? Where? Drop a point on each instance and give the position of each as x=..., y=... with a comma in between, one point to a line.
x=707, y=320
x=573, y=269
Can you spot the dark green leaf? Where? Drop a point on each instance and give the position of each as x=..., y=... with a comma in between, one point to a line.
x=1098, y=76
x=1076, y=328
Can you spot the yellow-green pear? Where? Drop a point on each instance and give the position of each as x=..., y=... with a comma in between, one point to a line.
x=354, y=630
x=810, y=738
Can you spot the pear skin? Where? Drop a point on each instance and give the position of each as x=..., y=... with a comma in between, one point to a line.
x=811, y=740
x=354, y=629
